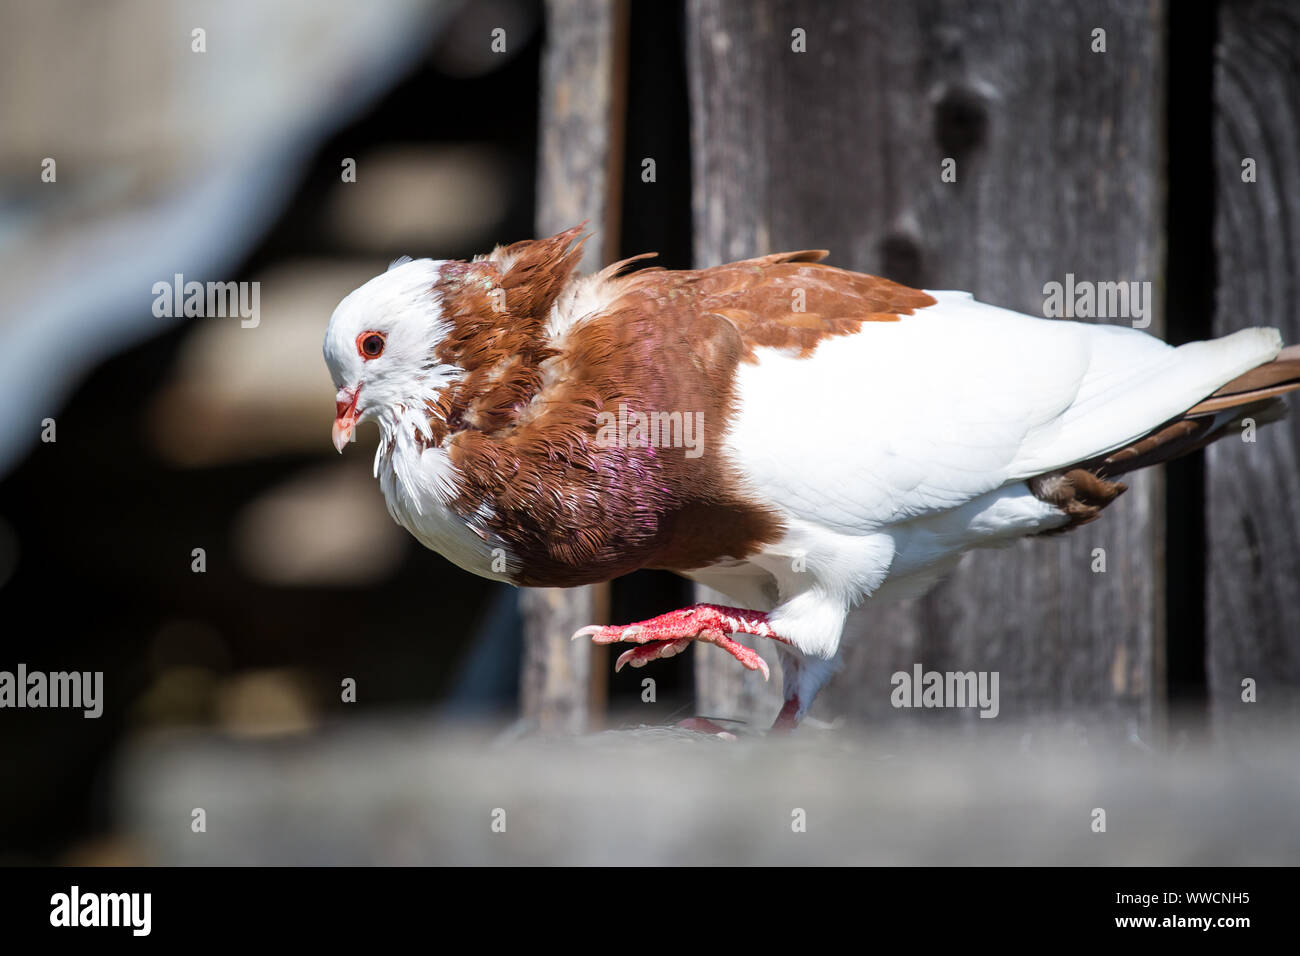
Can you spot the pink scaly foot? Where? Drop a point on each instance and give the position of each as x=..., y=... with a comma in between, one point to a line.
x=669, y=634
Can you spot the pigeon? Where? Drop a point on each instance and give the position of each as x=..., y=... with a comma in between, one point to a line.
x=796, y=436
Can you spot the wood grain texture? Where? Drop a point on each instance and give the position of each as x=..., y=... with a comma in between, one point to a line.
x=579, y=167
x=1059, y=162
x=581, y=122
x=1253, y=489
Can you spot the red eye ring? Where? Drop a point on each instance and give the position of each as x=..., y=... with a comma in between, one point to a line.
x=370, y=345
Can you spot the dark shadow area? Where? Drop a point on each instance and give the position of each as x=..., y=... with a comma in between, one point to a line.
x=1190, y=283
x=656, y=218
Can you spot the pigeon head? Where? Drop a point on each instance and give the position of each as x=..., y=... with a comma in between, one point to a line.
x=434, y=346
x=381, y=348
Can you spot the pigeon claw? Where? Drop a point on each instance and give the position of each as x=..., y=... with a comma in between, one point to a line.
x=669, y=634
x=642, y=654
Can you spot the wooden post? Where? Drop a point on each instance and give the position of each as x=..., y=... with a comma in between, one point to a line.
x=1058, y=158
x=583, y=79
x=1253, y=488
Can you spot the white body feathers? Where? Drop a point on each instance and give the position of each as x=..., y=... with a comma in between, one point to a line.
x=938, y=420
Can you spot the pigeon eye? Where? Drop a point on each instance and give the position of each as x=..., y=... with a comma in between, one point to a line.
x=370, y=344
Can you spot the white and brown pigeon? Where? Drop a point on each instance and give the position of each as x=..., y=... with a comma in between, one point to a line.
x=796, y=436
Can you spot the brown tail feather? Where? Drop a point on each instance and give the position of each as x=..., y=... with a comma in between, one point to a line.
x=1264, y=381
x=1081, y=492
x=1184, y=436
x=1251, y=395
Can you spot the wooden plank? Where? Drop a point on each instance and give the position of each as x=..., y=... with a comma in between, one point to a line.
x=1253, y=489
x=579, y=176
x=1059, y=159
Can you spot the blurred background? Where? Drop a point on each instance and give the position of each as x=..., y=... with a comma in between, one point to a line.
x=133, y=148
x=177, y=434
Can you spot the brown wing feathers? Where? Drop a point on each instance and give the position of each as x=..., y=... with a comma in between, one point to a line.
x=790, y=300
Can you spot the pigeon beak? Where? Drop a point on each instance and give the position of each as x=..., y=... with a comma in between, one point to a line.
x=345, y=418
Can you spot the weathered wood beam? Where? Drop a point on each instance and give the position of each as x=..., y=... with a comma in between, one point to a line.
x=579, y=177
x=1059, y=162
x=1253, y=488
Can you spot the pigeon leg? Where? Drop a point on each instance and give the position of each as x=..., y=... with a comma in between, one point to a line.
x=804, y=677
x=669, y=634
x=788, y=719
